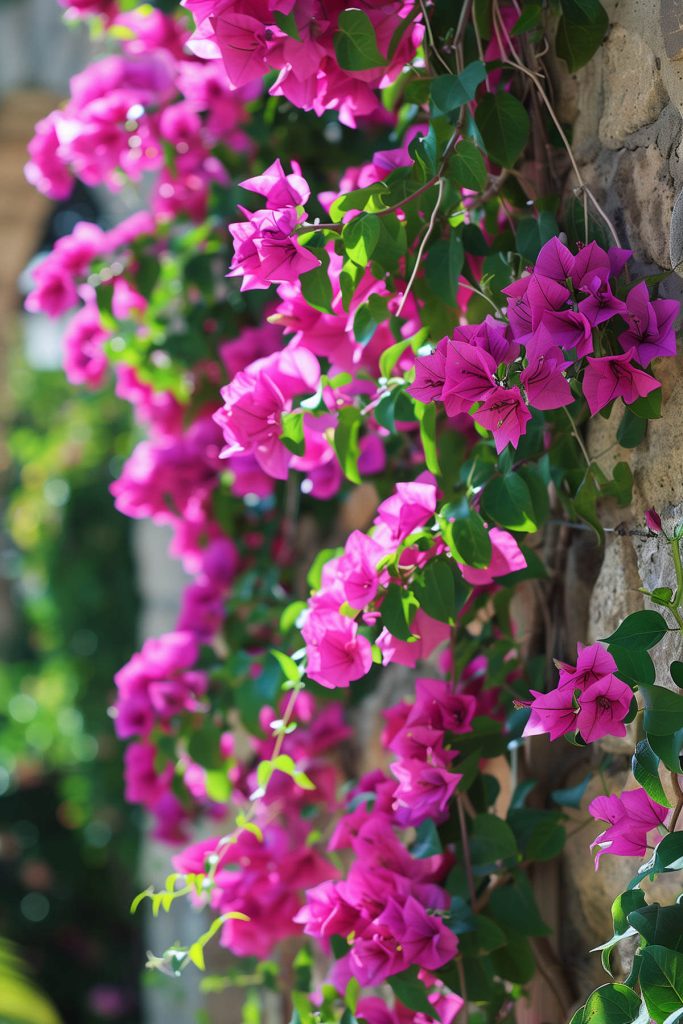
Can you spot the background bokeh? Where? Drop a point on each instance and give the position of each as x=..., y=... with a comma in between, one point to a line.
x=68, y=610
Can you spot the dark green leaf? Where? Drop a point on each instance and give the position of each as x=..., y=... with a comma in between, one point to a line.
x=631, y=430
x=469, y=540
x=663, y=710
x=466, y=168
x=634, y=665
x=397, y=612
x=504, y=126
x=581, y=29
x=661, y=981
x=440, y=591
x=355, y=43
x=507, y=502
x=444, y=262
x=410, y=991
x=513, y=905
x=427, y=842
x=645, y=766
x=676, y=670
x=360, y=237
x=539, y=834
x=659, y=926
x=492, y=843
x=641, y=630
x=609, y=1004
x=452, y=91
x=316, y=287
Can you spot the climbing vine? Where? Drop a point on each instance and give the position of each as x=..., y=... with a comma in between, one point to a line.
x=371, y=440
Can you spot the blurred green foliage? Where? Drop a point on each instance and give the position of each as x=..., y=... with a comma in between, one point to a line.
x=68, y=843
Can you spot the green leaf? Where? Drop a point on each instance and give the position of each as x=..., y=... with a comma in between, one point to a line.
x=669, y=747
x=676, y=670
x=513, y=905
x=609, y=1004
x=292, y=435
x=426, y=415
x=528, y=20
x=507, y=502
x=346, y=442
x=427, y=841
x=631, y=429
x=449, y=92
x=492, y=844
x=444, y=262
x=360, y=237
x=572, y=795
x=663, y=710
x=515, y=960
x=397, y=611
x=633, y=664
x=641, y=630
x=581, y=29
x=661, y=981
x=355, y=43
x=504, y=126
x=659, y=926
x=466, y=167
x=391, y=355
x=316, y=286
x=287, y=22
x=440, y=589
x=539, y=834
x=469, y=540
x=644, y=765
x=410, y=991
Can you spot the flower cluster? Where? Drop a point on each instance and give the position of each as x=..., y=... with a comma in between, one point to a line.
x=590, y=699
x=266, y=249
x=499, y=373
x=302, y=43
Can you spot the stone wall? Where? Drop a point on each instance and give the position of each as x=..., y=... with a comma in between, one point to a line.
x=626, y=108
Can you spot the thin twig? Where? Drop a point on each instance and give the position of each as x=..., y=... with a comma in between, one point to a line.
x=423, y=243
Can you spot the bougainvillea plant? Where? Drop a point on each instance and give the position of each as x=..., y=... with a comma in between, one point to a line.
x=365, y=313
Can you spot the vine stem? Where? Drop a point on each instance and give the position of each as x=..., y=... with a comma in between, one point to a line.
x=463, y=986
x=577, y=436
x=421, y=249
x=467, y=859
x=434, y=180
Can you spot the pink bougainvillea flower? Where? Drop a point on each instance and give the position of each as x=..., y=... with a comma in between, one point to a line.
x=569, y=330
x=553, y=712
x=543, y=380
x=506, y=557
x=438, y=705
x=650, y=325
x=430, y=375
x=603, y=706
x=429, y=632
x=470, y=376
x=251, y=417
x=337, y=652
x=423, y=791
x=411, y=507
x=357, y=568
x=593, y=662
x=631, y=816
x=610, y=377
x=505, y=414
x=280, y=189
x=266, y=250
